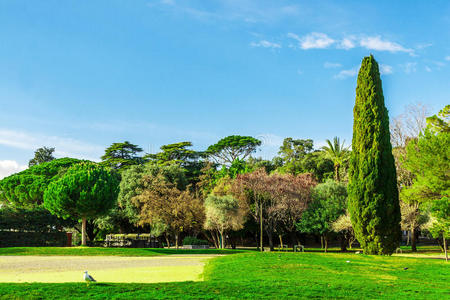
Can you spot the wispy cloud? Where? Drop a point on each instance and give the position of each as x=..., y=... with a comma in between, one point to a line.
x=265, y=44
x=423, y=46
x=378, y=44
x=409, y=67
x=428, y=69
x=447, y=58
x=318, y=40
x=347, y=43
x=244, y=11
x=438, y=64
x=314, y=40
x=8, y=167
x=347, y=73
x=386, y=69
x=64, y=146
x=331, y=65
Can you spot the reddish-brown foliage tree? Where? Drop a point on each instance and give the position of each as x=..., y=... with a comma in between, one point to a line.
x=275, y=201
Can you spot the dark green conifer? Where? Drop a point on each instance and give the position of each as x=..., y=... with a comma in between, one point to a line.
x=372, y=190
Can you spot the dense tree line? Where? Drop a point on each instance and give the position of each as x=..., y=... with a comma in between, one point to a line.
x=225, y=194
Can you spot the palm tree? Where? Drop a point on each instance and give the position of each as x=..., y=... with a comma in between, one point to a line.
x=337, y=153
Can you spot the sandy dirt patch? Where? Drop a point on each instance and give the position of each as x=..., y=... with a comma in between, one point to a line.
x=102, y=268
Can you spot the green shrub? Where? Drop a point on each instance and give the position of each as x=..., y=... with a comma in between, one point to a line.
x=190, y=240
x=32, y=239
x=38, y=219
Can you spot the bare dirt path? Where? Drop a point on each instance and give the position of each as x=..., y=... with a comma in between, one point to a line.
x=102, y=268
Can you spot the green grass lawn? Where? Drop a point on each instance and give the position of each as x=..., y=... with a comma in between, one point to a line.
x=254, y=275
x=99, y=251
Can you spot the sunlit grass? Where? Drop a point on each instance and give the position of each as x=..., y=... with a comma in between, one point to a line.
x=276, y=275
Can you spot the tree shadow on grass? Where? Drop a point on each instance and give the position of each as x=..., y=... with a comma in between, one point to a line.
x=192, y=251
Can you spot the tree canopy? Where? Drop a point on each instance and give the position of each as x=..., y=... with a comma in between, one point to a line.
x=41, y=155
x=293, y=153
x=121, y=155
x=427, y=159
x=338, y=153
x=132, y=184
x=85, y=191
x=26, y=188
x=441, y=121
x=223, y=213
x=329, y=201
x=174, y=153
x=233, y=147
x=373, y=195
x=162, y=204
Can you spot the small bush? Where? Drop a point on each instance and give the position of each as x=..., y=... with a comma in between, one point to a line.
x=190, y=240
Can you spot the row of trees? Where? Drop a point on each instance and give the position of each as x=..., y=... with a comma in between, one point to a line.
x=224, y=192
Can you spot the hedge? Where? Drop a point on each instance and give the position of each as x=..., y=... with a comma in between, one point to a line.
x=32, y=239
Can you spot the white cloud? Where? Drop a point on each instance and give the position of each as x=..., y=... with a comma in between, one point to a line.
x=423, y=46
x=427, y=68
x=386, y=69
x=376, y=43
x=265, y=44
x=409, y=67
x=347, y=73
x=64, y=146
x=330, y=65
x=8, y=167
x=347, y=43
x=317, y=40
x=447, y=58
x=314, y=40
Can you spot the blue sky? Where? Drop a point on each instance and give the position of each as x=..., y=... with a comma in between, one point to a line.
x=80, y=75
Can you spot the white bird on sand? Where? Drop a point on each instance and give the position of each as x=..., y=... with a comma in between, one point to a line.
x=88, y=278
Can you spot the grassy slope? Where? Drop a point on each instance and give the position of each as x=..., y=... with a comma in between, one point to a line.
x=273, y=275
x=97, y=251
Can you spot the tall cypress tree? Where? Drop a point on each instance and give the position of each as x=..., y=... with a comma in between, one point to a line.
x=372, y=190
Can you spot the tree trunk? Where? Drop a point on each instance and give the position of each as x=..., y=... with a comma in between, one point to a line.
x=413, y=240
x=294, y=239
x=91, y=231
x=176, y=241
x=270, y=235
x=336, y=173
x=343, y=243
x=445, y=247
x=216, y=232
x=261, y=227
x=213, y=238
x=321, y=242
x=281, y=241
x=167, y=240
x=221, y=240
x=83, y=232
x=325, y=241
